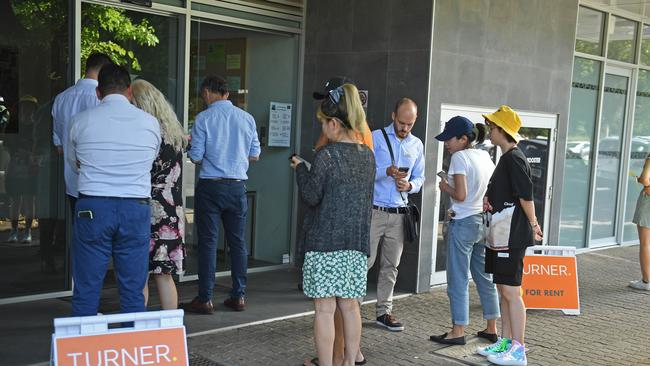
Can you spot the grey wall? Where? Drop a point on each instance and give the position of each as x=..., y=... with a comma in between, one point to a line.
x=493, y=52
x=384, y=46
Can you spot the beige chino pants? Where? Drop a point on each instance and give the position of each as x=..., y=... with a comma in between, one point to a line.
x=386, y=229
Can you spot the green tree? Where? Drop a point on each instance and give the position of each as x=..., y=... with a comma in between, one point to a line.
x=110, y=30
x=103, y=28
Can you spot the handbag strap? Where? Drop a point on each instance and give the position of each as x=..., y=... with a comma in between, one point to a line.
x=390, y=148
x=392, y=161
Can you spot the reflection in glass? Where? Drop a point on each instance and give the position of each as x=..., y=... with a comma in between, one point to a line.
x=645, y=45
x=577, y=176
x=621, y=43
x=33, y=70
x=535, y=145
x=640, y=148
x=590, y=31
x=608, y=162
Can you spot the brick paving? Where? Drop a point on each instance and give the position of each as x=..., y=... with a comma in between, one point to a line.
x=613, y=328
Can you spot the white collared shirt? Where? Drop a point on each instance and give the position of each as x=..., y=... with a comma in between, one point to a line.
x=115, y=145
x=71, y=101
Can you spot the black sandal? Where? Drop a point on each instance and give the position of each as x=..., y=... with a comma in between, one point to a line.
x=442, y=339
x=492, y=337
x=314, y=361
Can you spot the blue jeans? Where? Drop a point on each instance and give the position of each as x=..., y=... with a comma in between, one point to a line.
x=225, y=201
x=465, y=254
x=118, y=228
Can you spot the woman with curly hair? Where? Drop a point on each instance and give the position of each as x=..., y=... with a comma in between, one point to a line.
x=166, y=248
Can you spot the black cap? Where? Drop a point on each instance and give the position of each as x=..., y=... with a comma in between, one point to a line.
x=332, y=83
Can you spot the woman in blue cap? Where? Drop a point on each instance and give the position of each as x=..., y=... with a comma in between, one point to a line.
x=469, y=173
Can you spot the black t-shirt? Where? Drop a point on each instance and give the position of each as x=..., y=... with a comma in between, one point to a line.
x=510, y=182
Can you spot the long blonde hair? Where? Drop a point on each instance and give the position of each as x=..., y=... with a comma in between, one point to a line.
x=148, y=98
x=349, y=110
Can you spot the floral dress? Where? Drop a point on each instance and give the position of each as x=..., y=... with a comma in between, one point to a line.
x=166, y=247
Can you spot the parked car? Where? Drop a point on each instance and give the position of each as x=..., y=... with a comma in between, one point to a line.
x=578, y=150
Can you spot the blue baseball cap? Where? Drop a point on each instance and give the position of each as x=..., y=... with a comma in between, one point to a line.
x=457, y=126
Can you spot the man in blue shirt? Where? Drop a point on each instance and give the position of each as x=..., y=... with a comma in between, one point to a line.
x=394, y=181
x=112, y=146
x=224, y=140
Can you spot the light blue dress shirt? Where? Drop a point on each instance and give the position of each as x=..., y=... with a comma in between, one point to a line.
x=71, y=101
x=409, y=152
x=223, y=138
x=115, y=144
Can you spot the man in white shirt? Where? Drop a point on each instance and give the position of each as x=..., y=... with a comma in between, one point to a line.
x=113, y=147
x=75, y=99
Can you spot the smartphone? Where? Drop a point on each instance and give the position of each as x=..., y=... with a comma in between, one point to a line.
x=87, y=214
x=442, y=174
x=307, y=164
x=404, y=169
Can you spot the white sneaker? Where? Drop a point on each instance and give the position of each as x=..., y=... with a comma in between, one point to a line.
x=640, y=285
x=515, y=356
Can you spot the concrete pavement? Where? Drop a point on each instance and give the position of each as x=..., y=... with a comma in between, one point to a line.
x=613, y=328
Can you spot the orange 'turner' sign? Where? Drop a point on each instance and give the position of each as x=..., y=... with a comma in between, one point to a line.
x=154, y=347
x=550, y=282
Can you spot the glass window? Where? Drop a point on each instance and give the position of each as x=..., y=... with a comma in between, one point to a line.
x=590, y=31
x=243, y=57
x=608, y=161
x=146, y=44
x=645, y=45
x=640, y=148
x=34, y=68
x=577, y=176
x=621, y=43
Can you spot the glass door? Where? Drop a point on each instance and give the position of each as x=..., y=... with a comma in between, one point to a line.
x=606, y=190
x=538, y=144
x=242, y=57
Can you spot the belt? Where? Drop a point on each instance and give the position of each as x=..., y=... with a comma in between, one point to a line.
x=395, y=210
x=224, y=179
x=81, y=195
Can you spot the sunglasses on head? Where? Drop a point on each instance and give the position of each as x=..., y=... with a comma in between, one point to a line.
x=336, y=94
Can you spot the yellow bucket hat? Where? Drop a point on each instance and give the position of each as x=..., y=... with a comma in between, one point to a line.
x=507, y=119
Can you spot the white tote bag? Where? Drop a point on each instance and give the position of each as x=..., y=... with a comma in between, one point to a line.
x=498, y=229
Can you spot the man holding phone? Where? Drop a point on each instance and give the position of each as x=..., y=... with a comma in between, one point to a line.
x=398, y=174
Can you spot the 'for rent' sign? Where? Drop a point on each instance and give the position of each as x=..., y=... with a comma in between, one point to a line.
x=551, y=282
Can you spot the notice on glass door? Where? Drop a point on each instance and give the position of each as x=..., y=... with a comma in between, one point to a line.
x=280, y=124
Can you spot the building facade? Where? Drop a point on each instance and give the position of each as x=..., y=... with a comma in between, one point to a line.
x=576, y=70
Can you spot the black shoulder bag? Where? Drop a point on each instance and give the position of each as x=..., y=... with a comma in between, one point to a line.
x=412, y=214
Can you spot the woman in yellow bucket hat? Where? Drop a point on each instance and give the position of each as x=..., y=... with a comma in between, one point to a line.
x=510, y=186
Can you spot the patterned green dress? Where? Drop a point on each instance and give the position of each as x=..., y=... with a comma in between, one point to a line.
x=340, y=273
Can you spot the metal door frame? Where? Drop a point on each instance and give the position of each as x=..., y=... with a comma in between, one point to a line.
x=474, y=113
